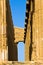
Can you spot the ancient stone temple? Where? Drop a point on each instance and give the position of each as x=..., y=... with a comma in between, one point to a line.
x=31, y=35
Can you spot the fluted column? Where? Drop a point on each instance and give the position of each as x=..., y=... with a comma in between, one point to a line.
x=3, y=39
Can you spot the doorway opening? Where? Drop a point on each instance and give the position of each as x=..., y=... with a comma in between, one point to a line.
x=21, y=54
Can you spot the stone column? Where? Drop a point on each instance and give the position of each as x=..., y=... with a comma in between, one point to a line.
x=38, y=30
x=3, y=39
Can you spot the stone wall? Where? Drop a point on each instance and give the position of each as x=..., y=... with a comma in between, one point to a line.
x=22, y=63
x=19, y=34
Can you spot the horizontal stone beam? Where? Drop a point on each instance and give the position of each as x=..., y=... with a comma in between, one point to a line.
x=18, y=34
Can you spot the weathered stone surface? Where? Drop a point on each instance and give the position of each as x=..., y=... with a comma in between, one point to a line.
x=38, y=30
x=34, y=32
x=21, y=63
x=19, y=34
x=10, y=35
x=6, y=32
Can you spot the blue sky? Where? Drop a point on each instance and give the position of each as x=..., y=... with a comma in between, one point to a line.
x=18, y=8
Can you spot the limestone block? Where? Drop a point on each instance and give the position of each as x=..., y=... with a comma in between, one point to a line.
x=19, y=34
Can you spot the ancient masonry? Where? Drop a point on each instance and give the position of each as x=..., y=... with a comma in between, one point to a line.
x=31, y=35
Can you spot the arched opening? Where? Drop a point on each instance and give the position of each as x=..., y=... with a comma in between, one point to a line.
x=21, y=54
